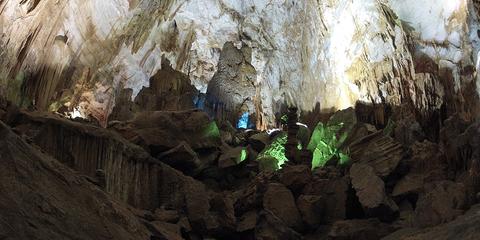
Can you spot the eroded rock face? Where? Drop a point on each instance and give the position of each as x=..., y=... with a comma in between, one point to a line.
x=36, y=199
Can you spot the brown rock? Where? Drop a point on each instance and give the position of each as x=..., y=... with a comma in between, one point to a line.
x=36, y=199
x=364, y=229
x=280, y=202
x=182, y=157
x=442, y=202
x=161, y=131
x=247, y=222
x=163, y=215
x=259, y=141
x=379, y=151
x=232, y=156
x=311, y=208
x=464, y=227
x=272, y=227
x=166, y=230
x=370, y=191
x=334, y=191
x=295, y=177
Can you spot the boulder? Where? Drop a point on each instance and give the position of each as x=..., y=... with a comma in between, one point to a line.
x=232, y=156
x=379, y=151
x=295, y=177
x=182, y=157
x=311, y=208
x=279, y=201
x=271, y=226
x=334, y=192
x=259, y=141
x=441, y=202
x=370, y=190
x=247, y=221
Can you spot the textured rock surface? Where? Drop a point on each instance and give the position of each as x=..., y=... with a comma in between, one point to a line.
x=303, y=52
x=36, y=199
x=280, y=202
x=132, y=175
x=464, y=227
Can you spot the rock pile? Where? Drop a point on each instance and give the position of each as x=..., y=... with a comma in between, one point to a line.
x=177, y=175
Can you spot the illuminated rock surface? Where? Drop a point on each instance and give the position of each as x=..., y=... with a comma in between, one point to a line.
x=303, y=53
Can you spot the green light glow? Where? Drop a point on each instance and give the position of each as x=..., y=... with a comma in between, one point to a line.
x=273, y=156
x=299, y=146
x=211, y=130
x=243, y=156
x=325, y=145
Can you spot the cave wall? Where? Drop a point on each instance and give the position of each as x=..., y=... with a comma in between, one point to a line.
x=78, y=53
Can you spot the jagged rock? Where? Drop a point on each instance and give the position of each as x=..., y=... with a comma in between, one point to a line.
x=411, y=183
x=311, y=208
x=169, y=90
x=124, y=108
x=280, y=202
x=370, y=190
x=251, y=196
x=361, y=229
x=132, y=175
x=8, y=111
x=163, y=230
x=379, y=151
x=407, y=131
x=164, y=215
x=197, y=205
x=247, y=222
x=271, y=226
x=453, y=144
x=161, y=131
x=427, y=164
x=232, y=91
x=184, y=224
x=259, y=141
x=223, y=213
x=232, y=157
x=182, y=157
x=295, y=177
x=36, y=199
x=464, y=227
x=442, y=202
x=334, y=192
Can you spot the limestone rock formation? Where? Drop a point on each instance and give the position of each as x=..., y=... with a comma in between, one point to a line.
x=232, y=91
x=36, y=200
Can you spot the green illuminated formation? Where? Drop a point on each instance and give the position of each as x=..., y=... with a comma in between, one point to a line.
x=325, y=143
x=273, y=156
x=299, y=146
x=211, y=131
x=243, y=156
